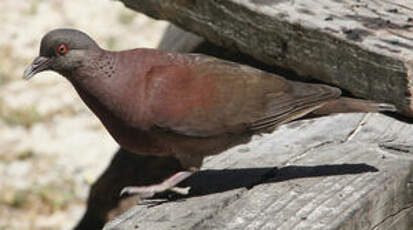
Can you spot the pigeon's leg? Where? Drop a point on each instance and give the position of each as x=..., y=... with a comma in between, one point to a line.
x=168, y=184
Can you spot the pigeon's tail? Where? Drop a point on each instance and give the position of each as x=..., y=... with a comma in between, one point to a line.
x=352, y=105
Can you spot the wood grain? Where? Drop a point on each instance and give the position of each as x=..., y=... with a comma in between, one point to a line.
x=339, y=172
x=364, y=47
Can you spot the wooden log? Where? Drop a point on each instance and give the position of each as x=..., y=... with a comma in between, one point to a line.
x=359, y=176
x=364, y=47
x=342, y=172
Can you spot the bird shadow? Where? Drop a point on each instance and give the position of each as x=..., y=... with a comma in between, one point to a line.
x=129, y=169
x=207, y=182
x=399, y=117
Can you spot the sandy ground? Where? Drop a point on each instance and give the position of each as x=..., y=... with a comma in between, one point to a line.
x=51, y=146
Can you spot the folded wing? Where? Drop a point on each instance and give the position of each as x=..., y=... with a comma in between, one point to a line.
x=203, y=96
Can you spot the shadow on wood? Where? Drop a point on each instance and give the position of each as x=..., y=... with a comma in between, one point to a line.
x=216, y=181
x=128, y=169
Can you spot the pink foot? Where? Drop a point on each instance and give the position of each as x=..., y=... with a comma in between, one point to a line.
x=168, y=184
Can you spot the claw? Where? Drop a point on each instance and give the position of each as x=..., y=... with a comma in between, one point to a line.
x=142, y=192
x=179, y=190
x=124, y=191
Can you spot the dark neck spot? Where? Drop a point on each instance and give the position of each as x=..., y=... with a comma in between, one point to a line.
x=105, y=66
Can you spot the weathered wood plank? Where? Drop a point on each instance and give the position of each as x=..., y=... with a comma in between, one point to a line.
x=333, y=173
x=364, y=47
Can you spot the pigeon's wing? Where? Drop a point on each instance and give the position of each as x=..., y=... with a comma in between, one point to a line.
x=202, y=96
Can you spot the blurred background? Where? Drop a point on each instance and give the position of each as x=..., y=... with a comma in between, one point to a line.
x=51, y=146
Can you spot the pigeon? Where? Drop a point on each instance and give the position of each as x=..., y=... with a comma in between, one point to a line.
x=181, y=105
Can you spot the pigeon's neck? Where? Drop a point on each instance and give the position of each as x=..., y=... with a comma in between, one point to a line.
x=113, y=78
x=97, y=63
x=97, y=77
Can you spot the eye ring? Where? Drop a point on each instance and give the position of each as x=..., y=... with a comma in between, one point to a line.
x=62, y=49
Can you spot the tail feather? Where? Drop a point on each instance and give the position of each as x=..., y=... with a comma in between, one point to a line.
x=352, y=105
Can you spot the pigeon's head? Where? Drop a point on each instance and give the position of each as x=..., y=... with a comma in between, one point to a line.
x=63, y=51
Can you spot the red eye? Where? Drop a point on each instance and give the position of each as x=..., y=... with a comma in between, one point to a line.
x=61, y=49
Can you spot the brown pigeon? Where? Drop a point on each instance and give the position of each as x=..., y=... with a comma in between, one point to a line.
x=184, y=105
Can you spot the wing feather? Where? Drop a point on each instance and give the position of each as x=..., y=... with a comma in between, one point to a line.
x=202, y=96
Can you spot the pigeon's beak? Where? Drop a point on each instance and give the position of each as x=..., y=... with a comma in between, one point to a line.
x=38, y=65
